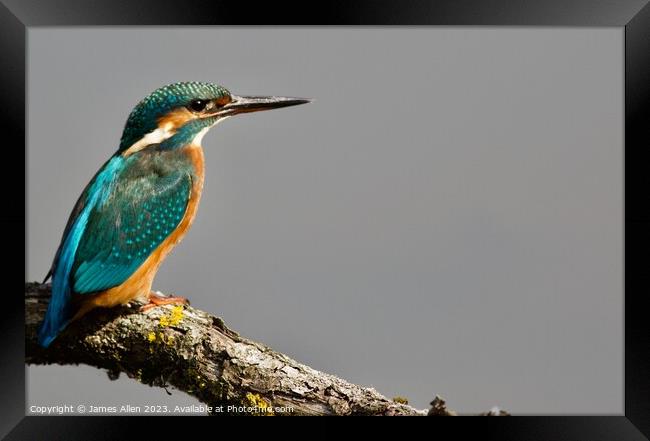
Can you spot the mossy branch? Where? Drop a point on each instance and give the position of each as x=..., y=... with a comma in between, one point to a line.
x=196, y=352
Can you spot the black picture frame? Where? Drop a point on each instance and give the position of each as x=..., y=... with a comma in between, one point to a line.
x=634, y=15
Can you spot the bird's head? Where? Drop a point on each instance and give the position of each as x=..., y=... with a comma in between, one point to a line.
x=181, y=113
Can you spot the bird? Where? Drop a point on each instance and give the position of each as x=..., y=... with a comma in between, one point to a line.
x=140, y=203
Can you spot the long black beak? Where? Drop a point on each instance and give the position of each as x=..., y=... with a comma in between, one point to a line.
x=247, y=104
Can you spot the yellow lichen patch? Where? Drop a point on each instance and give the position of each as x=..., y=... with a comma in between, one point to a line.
x=177, y=315
x=173, y=318
x=259, y=406
x=400, y=400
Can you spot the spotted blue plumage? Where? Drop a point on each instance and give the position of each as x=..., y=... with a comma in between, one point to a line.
x=129, y=208
x=123, y=231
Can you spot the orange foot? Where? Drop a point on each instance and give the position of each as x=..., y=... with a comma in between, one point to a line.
x=156, y=299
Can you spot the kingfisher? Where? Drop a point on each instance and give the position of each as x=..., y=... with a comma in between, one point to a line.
x=140, y=203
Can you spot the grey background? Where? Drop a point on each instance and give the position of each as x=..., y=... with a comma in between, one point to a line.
x=445, y=218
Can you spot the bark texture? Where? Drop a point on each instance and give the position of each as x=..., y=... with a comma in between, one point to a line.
x=193, y=351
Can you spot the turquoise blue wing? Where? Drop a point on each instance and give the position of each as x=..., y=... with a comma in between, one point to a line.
x=136, y=216
x=60, y=310
x=123, y=214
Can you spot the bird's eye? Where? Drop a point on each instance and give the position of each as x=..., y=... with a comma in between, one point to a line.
x=198, y=105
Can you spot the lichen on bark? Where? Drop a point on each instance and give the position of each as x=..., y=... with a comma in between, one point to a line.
x=193, y=351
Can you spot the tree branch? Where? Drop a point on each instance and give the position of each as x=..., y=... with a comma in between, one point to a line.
x=197, y=353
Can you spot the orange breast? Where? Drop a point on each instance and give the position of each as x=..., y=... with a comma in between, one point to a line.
x=139, y=284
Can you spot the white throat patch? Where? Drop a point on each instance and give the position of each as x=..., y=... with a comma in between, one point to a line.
x=154, y=137
x=198, y=138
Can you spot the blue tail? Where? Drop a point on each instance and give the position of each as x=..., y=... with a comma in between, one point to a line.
x=60, y=310
x=55, y=321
